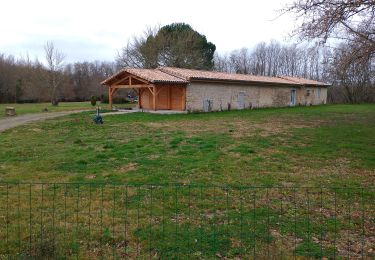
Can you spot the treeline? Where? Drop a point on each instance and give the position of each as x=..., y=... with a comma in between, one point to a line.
x=352, y=81
x=25, y=80
x=274, y=59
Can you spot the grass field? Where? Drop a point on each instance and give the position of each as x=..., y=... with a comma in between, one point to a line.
x=332, y=147
x=303, y=145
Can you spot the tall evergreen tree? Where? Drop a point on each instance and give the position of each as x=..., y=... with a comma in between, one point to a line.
x=174, y=45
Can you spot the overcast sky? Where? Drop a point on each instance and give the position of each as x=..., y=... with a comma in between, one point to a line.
x=96, y=30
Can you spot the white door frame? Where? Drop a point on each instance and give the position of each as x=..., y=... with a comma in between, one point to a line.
x=293, y=97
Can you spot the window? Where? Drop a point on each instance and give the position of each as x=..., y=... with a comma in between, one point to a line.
x=308, y=92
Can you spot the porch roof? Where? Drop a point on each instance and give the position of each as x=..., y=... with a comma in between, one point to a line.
x=150, y=75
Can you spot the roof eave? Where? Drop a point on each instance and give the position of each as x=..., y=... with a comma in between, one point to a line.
x=317, y=85
x=170, y=82
x=243, y=82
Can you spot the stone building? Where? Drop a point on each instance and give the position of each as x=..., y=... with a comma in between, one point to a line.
x=169, y=88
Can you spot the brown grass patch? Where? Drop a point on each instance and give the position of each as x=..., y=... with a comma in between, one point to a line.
x=128, y=167
x=237, y=127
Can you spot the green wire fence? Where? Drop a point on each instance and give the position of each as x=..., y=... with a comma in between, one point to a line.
x=176, y=221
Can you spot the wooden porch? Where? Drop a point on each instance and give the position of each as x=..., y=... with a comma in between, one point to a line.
x=151, y=96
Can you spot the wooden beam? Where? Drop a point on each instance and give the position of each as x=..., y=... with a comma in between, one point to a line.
x=154, y=98
x=110, y=97
x=130, y=86
x=152, y=88
x=114, y=91
x=157, y=92
x=111, y=92
x=130, y=77
x=183, y=98
x=120, y=81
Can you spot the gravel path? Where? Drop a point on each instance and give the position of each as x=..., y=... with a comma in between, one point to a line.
x=11, y=122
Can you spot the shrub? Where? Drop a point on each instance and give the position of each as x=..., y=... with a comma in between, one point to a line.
x=93, y=100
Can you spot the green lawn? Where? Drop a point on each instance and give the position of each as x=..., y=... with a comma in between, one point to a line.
x=303, y=145
x=331, y=146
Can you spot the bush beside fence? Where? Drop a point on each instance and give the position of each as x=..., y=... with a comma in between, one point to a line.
x=88, y=221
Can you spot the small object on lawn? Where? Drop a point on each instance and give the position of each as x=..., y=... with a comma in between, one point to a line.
x=45, y=109
x=98, y=119
x=10, y=111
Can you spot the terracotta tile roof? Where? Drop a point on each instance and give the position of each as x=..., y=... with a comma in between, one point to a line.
x=189, y=74
x=304, y=81
x=151, y=75
x=183, y=76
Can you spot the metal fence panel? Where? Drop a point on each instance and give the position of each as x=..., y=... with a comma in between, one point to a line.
x=120, y=221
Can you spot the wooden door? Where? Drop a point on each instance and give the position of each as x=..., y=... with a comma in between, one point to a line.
x=162, y=100
x=177, y=98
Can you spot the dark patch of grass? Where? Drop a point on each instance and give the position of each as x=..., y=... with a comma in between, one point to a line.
x=313, y=250
x=243, y=149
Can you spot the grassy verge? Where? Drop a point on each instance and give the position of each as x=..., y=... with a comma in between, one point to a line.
x=29, y=108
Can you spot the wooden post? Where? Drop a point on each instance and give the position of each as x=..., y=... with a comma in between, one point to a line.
x=110, y=97
x=154, y=98
x=140, y=98
x=183, y=98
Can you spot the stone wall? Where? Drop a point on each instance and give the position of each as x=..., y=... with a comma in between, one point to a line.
x=222, y=96
x=310, y=96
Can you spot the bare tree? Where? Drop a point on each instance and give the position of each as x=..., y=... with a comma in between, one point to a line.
x=136, y=53
x=277, y=59
x=240, y=61
x=55, y=60
x=25, y=80
x=222, y=63
x=352, y=21
x=356, y=80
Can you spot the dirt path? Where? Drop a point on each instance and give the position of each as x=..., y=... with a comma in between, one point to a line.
x=11, y=122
